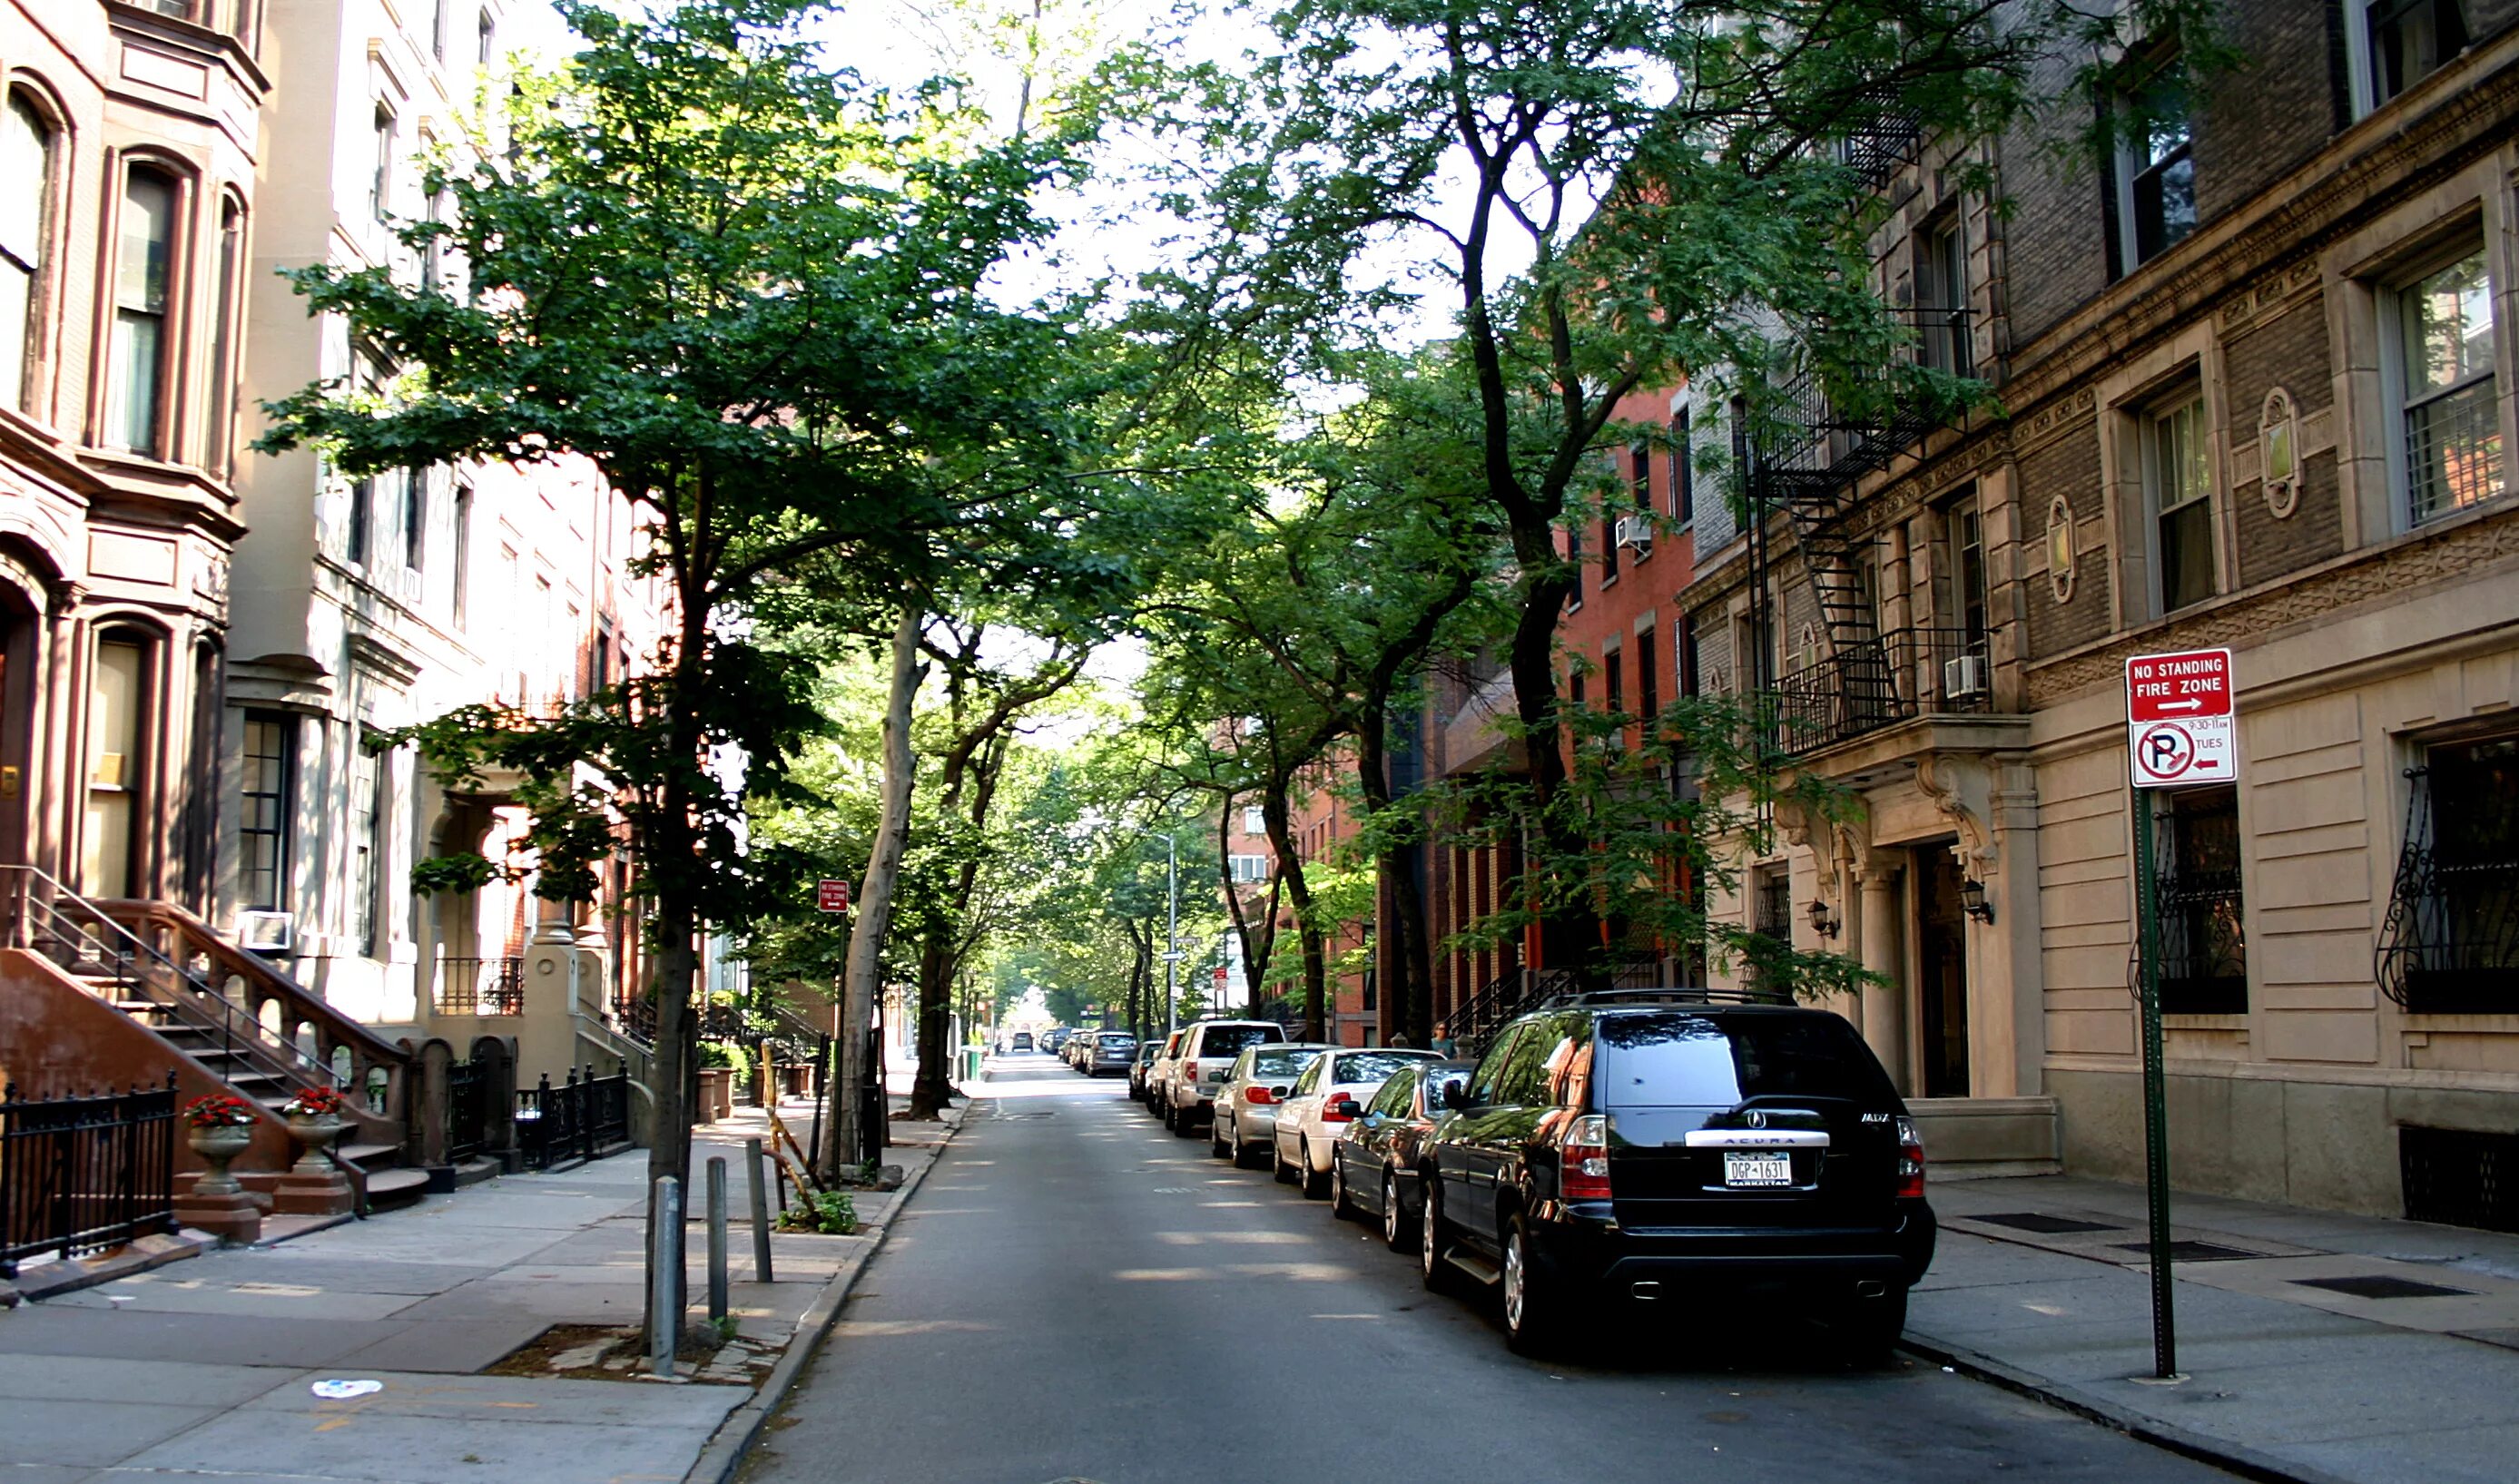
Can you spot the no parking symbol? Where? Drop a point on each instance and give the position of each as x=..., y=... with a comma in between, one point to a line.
x=2179, y=722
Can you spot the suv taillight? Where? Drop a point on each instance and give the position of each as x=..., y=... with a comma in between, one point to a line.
x=1911, y=1161
x=1189, y=1071
x=1583, y=1160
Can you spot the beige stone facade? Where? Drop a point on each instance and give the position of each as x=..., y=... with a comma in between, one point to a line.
x=2280, y=425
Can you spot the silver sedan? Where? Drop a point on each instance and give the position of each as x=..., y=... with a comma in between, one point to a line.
x=1245, y=1106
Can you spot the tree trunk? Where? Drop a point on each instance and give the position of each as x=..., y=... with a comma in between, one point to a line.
x=1568, y=931
x=1405, y=965
x=932, y=1092
x=1290, y=869
x=846, y=1131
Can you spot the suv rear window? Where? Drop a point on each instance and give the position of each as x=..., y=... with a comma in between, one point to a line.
x=1226, y=1040
x=1667, y=1059
x=1373, y=1066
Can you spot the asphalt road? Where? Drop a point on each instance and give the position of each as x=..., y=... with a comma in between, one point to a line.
x=1075, y=1294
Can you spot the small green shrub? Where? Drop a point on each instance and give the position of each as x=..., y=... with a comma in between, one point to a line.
x=829, y=1212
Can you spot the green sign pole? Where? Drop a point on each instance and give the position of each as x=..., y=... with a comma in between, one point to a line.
x=2156, y=1094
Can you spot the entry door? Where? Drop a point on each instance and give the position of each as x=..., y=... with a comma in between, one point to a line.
x=1941, y=981
x=16, y=713
x=115, y=770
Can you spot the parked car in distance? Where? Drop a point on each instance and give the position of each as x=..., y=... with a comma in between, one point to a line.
x=1054, y=1038
x=1245, y=1121
x=1206, y=1054
x=1022, y=1042
x=1327, y=1097
x=1078, y=1046
x=1639, y=1145
x=1373, y=1163
x=1114, y=1051
x=1147, y=1050
x=1158, y=1076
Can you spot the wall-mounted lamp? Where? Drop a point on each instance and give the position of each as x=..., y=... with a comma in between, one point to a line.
x=1973, y=900
x=1823, y=921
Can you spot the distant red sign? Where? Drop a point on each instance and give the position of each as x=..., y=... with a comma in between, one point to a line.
x=1219, y=978
x=2178, y=688
x=831, y=896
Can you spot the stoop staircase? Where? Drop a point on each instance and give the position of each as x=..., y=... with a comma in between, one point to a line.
x=231, y=1014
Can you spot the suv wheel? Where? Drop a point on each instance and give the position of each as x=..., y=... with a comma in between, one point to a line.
x=1868, y=1329
x=1185, y=1122
x=1315, y=1183
x=1395, y=1220
x=1433, y=1241
x=1536, y=1303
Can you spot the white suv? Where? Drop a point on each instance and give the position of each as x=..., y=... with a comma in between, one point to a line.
x=1206, y=1053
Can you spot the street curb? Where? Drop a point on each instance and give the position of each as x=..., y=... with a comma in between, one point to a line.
x=2232, y=1458
x=735, y=1437
x=52, y=1279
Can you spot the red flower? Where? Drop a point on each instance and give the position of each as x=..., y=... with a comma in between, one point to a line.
x=219, y=1111
x=316, y=1103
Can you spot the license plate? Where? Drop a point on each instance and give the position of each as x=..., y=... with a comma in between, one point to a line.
x=1756, y=1169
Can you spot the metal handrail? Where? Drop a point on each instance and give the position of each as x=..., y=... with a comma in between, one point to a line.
x=124, y=947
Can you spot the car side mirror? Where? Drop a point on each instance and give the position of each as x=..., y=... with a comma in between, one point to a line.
x=1347, y=1108
x=1279, y=1092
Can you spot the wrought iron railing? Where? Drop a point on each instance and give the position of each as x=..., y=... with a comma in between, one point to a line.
x=2450, y=944
x=1897, y=677
x=634, y=1017
x=85, y=1174
x=2203, y=947
x=481, y=987
x=467, y=1111
x=1815, y=440
x=583, y=1118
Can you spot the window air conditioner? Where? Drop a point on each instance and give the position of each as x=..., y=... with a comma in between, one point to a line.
x=265, y=931
x=1964, y=678
x=1635, y=531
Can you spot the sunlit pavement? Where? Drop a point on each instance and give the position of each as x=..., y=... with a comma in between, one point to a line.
x=1076, y=1293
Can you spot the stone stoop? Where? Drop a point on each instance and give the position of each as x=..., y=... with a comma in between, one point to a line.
x=1988, y=1138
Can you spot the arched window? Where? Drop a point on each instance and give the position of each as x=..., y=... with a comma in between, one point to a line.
x=225, y=331
x=26, y=146
x=143, y=289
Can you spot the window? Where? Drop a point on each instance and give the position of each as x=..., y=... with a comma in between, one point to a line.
x=437, y=29
x=368, y=779
x=2451, y=433
x=143, y=272
x=1247, y=869
x=1683, y=469
x=1692, y=674
x=2450, y=942
x=25, y=236
x=1609, y=549
x=488, y=36
x=414, y=516
x=1574, y=689
x=224, y=370
x=1255, y=819
x=1942, y=295
x=2155, y=177
x=363, y=502
x=115, y=774
x=264, y=834
x=1772, y=904
x=433, y=258
x=2395, y=44
x=1614, y=682
x=2197, y=903
x=1648, y=678
x=1575, y=556
x=462, y=551
x=1967, y=570
x=2179, y=476
x=381, y=184
x=1640, y=456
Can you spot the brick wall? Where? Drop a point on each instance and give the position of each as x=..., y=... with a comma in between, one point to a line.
x=2275, y=113
x=2068, y=466
x=2055, y=238
x=2291, y=351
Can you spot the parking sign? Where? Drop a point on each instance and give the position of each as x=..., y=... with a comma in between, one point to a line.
x=2179, y=728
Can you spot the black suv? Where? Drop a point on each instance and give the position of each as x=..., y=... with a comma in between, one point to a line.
x=1668, y=1145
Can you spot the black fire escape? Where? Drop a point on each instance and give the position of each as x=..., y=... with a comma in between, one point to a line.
x=1816, y=438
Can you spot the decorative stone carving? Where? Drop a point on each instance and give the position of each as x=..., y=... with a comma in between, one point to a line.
x=2279, y=452
x=2060, y=547
x=1962, y=789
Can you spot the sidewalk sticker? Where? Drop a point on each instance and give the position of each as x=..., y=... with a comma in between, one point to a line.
x=343, y=1391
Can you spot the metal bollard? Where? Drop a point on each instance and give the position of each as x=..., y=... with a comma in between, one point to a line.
x=717, y=1237
x=760, y=1211
x=664, y=1317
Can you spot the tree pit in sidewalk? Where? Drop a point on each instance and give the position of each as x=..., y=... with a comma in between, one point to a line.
x=710, y=1356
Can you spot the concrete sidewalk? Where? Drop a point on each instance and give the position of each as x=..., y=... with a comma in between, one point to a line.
x=2316, y=1346
x=203, y=1368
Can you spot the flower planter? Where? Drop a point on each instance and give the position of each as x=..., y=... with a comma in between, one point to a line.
x=315, y=1135
x=217, y=1146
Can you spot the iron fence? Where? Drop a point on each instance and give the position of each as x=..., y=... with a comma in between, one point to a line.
x=481, y=987
x=2450, y=944
x=80, y=1175
x=584, y=1118
x=467, y=1111
x=1897, y=677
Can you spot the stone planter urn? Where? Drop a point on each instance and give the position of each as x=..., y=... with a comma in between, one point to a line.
x=217, y=1146
x=315, y=1134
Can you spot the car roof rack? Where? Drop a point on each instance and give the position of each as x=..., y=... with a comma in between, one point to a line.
x=1668, y=994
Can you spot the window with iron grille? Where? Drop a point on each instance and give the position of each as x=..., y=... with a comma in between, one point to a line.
x=1774, y=906
x=2198, y=903
x=2450, y=941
